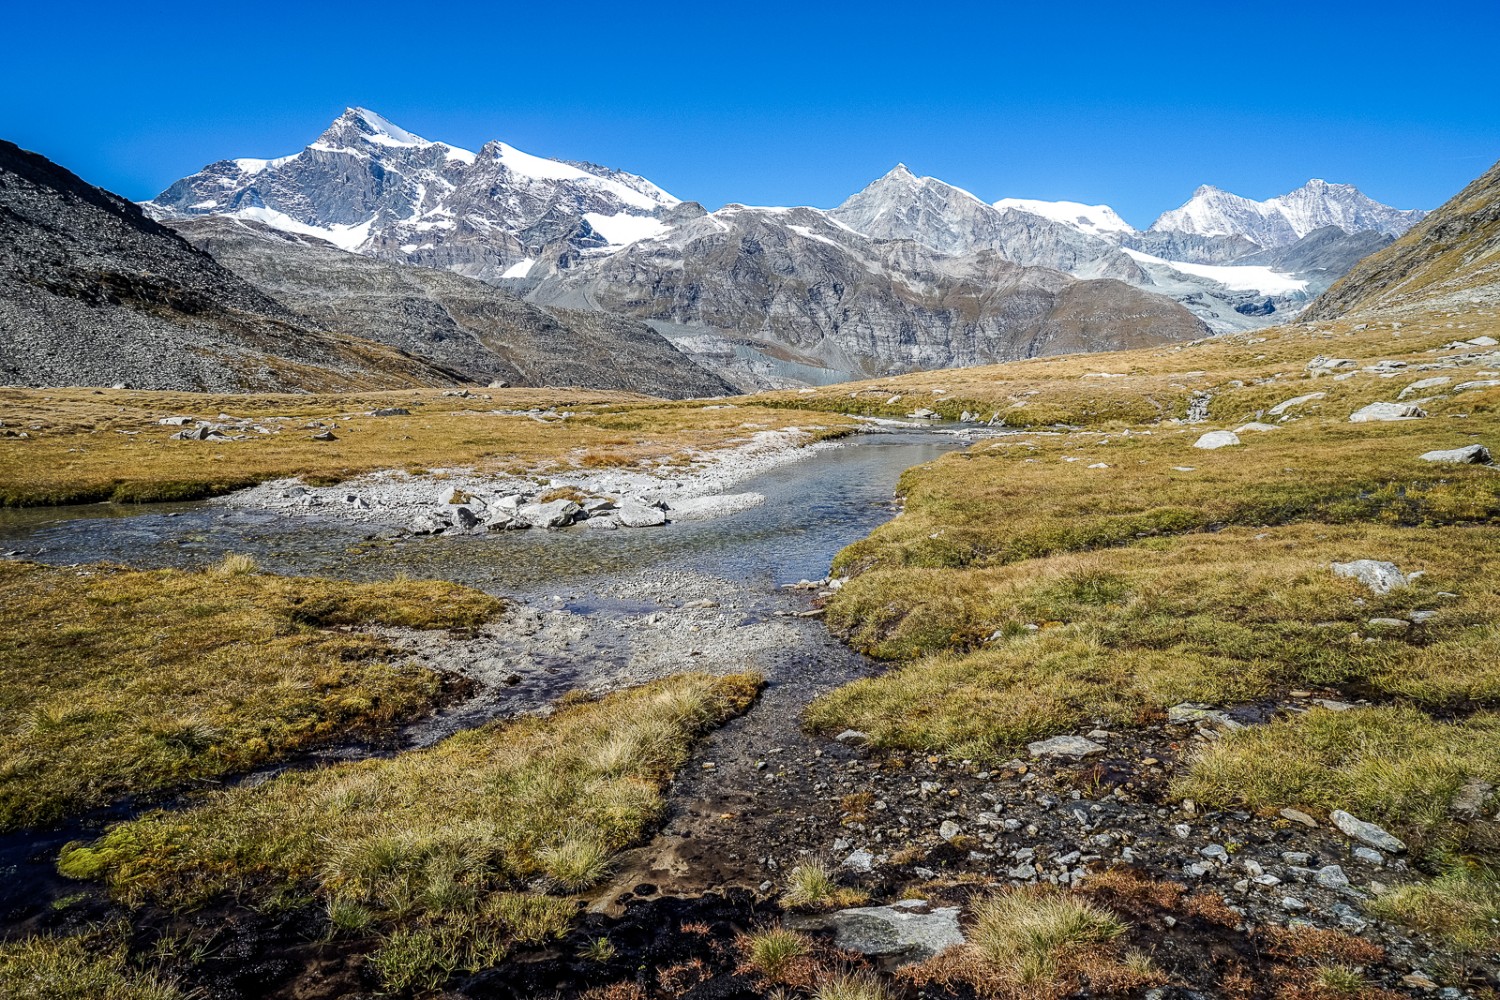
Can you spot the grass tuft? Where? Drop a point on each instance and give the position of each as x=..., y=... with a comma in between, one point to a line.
x=117, y=682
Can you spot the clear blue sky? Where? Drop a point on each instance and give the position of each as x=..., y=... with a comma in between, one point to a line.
x=1133, y=104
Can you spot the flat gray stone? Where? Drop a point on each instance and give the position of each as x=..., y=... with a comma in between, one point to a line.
x=1386, y=411
x=1065, y=746
x=1426, y=383
x=908, y=931
x=1285, y=405
x=1474, y=454
x=634, y=514
x=554, y=514
x=860, y=861
x=1367, y=833
x=1380, y=577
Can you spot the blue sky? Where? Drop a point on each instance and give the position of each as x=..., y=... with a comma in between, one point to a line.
x=1133, y=104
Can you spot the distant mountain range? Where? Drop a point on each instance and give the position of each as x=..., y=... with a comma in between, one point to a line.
x=556, y=267
x=601, y=239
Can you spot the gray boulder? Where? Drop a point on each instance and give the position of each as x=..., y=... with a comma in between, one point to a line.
x=1380, y=577
x=1217, y=439
x=553, y=514
x=908, y=931
x=1285, y=405
x=1474, y=454
x=1367, y=833
x=1386, y=411
x=1065, y=746
x=634, y=514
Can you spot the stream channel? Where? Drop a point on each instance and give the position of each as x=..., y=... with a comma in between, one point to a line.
x=596, y=610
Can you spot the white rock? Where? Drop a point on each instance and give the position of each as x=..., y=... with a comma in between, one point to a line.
x=860, y=861
x=949, y=831
x=1484, y=342
x=1367, y=833
x=1473, y=454
x=1217, y=439
x=1257, y=426
x=1386, y=411
x=1426, y=383
x=1065, y=746
x=1380, y=577
x=1282, y=407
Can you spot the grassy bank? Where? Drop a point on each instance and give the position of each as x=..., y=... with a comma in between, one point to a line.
x=82, y=446
x=115, y=682
x=445, y=856
x=1097, y=574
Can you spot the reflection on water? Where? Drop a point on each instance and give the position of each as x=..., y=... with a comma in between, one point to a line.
x=813, y=508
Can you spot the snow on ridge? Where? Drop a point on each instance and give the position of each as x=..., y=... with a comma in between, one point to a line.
x=541, y=168
x=1095, y=220
x=345, y=237
x=624, y=229
x=1237, y=277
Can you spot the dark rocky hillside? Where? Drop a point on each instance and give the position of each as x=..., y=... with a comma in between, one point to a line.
x=92, y=292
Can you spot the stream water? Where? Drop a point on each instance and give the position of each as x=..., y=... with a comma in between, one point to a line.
x=601, y=607
x=813, y=508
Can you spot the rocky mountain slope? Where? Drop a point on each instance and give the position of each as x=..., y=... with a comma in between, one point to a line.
x=92, y=292
x=796, y=294
x=370, y=186
x=466, y=326
x=597, y=239
x=1450, y=260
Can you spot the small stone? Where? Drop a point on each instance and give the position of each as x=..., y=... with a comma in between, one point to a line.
x=1469, y=801
x=1369, y=855
x=1367, y=833
x=1214, y=852
x=852, y=736
x=1266, y=880
x=1297, y=858
x=949, y=831
x=860, y=861
x=1065, y=746
x=1331, y=877
x=1292, y=903
x=1298, y=816
x=1419, y=981
x=1182, y=831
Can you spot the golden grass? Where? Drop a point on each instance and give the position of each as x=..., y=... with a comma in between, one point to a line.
x=1461, y=907
x=432, y=846
x=1394, y=766
x=770, y=950
x=117, y=682
x=1039, y=943
x=998, y=657
x=88, y=966
x=812, y=886
x=90, y=445
x=1244, y=373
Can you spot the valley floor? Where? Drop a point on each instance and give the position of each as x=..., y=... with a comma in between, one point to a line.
x=1126, y=730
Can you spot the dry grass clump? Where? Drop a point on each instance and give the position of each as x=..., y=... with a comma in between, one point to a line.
x=1039, y=943
x=118, y=682
x=429, y=846
x=812, y=886
x=854, y=985
x=772, y=951
x=1394, y=766
x=91, y=966
x=1461, y=907
x=85, y=446
x=1001, y=656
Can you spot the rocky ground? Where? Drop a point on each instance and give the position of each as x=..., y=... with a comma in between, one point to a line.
x=460, y=501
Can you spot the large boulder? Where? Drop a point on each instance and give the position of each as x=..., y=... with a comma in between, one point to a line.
x=1474, y=454
x=1217, y=439
x=908, y=931
x=634, y=514
x=553, y=514
x=1386, y=411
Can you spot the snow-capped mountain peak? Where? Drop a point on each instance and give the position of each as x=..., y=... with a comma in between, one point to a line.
x=1283, y=220
x=1095, y=220
x=370, y=186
